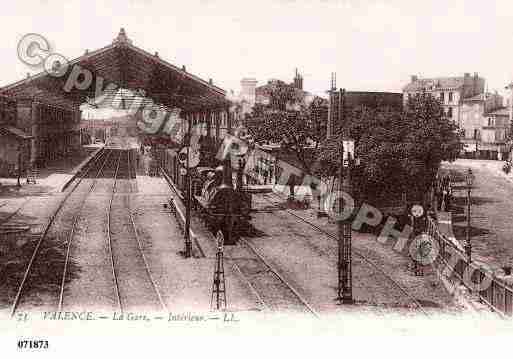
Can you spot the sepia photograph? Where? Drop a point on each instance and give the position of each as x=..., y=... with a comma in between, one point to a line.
x=202, y=174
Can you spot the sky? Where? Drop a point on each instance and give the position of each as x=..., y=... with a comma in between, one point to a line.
x=372, y=45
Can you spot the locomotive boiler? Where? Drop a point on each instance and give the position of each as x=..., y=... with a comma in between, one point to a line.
x=222, y=205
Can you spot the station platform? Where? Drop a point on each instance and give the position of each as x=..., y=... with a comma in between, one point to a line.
x=51, y=178
x=49, y=181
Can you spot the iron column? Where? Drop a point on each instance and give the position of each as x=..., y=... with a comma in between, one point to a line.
x=187, y=236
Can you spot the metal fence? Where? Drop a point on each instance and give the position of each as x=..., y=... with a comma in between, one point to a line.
x=497, y=295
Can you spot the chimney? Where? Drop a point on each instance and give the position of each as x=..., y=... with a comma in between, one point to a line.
x=298, y=80
x=477, y=86
x=414, y=78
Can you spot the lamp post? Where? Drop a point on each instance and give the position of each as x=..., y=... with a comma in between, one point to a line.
x=468, y=245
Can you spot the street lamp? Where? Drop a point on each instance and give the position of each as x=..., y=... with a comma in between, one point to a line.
x=468, y=245
x=345, y=280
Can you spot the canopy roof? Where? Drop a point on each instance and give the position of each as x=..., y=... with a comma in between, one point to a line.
x=128, y=67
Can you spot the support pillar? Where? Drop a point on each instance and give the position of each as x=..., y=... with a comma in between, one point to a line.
x=209, y=124
x=216, y=119
x=34, y=132
x=229, y=121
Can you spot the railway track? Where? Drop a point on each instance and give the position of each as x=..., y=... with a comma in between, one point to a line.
x=133, y=280
x=272, y=290
x=110, y=173
x=268, y=285
x=47, y=249
x=72, y=233
x=359, y=255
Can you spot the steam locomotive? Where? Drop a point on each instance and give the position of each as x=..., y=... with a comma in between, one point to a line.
x=220, y=201
x=223, y=206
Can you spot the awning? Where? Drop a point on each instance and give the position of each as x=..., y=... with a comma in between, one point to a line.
x=15, y=132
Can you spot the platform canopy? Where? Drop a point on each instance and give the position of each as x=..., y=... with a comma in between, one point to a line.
x=127, y=67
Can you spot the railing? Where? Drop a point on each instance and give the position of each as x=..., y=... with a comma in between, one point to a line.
x=497, y=295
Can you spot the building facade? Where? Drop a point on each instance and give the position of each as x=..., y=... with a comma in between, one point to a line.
x=14, y=142
x=451, y=91
x=55, y=129
x=495, y=133
x=482, y=127
x=247, y=97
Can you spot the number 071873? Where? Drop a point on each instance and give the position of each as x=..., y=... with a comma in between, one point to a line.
x=32, y=344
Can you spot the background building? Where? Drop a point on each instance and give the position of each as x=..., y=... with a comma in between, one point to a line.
x=247, y=95
x=301, y=97
x=252, y=94
x=482, y=126
x=451, y=91
x=102, y=129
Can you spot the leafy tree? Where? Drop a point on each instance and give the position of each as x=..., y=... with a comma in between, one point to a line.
x=398, y=151
x=299, y=129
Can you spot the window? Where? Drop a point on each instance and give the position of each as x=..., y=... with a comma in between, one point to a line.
x=450, y=96
x=442, y=99
x=449, y=112
x=476, y=134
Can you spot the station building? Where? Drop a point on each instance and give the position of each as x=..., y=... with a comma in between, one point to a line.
x=50, y=114
x=14, y=141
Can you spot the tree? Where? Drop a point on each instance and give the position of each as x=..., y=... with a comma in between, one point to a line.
x=300, y=130
x=399, y=151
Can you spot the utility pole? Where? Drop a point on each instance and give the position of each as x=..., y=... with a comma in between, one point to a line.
x=510, y=106
x=345, y=276
x=332, y=109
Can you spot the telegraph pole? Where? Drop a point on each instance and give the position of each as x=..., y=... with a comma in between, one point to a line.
x=510, y=106
x=345, y=276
